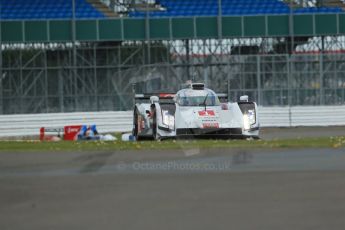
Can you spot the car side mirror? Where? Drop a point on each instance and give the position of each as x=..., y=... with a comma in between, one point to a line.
x=244, y=98
x=154, y=99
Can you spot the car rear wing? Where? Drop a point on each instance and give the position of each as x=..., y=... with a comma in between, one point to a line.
x=223, y=97
x=167, y=97
x=163, y=97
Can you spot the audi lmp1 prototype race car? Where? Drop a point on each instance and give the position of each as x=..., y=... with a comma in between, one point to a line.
x=193, y=111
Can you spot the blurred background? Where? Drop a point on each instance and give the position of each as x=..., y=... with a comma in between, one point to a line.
x=91, y=55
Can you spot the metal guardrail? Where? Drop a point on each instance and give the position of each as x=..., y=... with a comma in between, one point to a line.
x=29, y=124
x=121, y=121
x=302, y=116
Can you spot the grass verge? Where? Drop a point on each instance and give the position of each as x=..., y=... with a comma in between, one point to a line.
x=66, y=146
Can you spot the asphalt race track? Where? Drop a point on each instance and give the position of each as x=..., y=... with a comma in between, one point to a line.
x=177, y=189
x=300, y=132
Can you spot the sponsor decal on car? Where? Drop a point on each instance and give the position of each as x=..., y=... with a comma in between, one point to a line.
x=208, y=113
x=162, y=95
x=210, y=125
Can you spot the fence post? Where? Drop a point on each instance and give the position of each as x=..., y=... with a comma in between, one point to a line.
x=289, y=63
x=133, y=94
x=1, y=76
x=258, y=79
x=322, y=94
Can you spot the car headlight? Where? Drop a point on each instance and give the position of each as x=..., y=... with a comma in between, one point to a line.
x=248, y=119
x=168, y=119
x=246, y=124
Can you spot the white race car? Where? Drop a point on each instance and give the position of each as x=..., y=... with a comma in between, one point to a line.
x=193, y=111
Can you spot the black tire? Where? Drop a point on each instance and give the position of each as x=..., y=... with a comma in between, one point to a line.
x=256, y=137
x=135, y=122
x=154, y=126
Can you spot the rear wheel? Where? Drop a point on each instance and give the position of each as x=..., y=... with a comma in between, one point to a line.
x=155, y=134
x=135, y=122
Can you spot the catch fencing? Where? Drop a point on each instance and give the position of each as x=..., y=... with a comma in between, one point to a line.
x=121, y=121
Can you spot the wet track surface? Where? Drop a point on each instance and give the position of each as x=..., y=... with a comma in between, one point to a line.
x=175, y=189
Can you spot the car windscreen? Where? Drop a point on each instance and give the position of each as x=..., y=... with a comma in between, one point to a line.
x=209, y=100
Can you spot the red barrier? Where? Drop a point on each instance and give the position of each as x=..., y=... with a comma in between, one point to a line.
x=54, y=134
x=42, y=134
x=71, y=132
